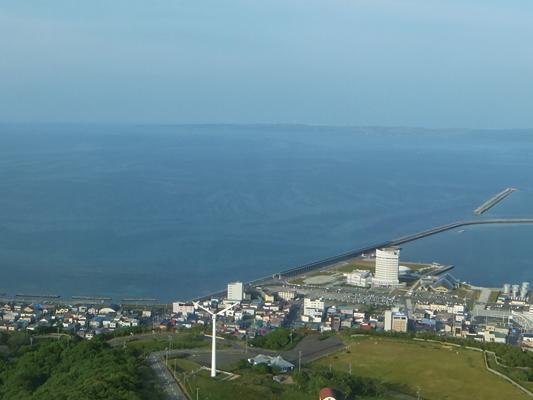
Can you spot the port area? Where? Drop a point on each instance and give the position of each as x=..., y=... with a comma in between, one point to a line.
x=334, y=274
x=330, y=283
x=493, y=201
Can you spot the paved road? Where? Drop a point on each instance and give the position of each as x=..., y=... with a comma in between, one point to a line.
x=484, y=296
x=312, y=348
x=119, y=341
x=171, y=388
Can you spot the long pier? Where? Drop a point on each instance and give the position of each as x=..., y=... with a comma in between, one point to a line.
x=493, y=201
x=306, y=268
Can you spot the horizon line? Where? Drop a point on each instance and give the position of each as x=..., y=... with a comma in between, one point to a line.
x=256, y=124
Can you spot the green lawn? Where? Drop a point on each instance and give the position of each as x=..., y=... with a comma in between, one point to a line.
x=360, y=264
x=161, y=342
x=441, y=372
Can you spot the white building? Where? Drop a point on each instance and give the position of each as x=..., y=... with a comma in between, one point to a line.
x=313, y=310
x=387, y=267
x=183, y=308
x=235, y=291
x=287, y=294
x=359, y=277
x=395, y=321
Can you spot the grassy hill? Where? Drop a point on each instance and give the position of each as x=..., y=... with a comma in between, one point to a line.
x=437, y=371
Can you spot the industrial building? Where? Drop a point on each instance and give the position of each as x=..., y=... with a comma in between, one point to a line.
x=515, y=292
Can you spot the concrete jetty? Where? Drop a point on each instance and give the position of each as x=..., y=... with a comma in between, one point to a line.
x=37, y=296
x=493, y=201
x=306, y=268
x=91, y=298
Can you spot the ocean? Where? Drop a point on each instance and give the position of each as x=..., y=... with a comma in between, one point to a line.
x=173, y=212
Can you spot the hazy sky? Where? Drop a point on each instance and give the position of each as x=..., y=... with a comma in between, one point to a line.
x=449, y=63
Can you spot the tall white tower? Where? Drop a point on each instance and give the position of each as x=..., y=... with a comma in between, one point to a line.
x=387, y=267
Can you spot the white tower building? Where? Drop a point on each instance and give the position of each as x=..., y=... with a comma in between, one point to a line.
x=235, y=291
x=387, y=267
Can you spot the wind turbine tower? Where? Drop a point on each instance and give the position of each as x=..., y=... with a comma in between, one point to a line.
x=214, y=335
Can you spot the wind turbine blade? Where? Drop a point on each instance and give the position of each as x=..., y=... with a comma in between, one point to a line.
x=198, y=305
x=227, y=308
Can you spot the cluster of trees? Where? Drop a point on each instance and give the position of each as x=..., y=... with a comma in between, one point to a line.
x=311, y=381
x=13, y=341
x=512, y=356
x=76, y=369
x=278, y=339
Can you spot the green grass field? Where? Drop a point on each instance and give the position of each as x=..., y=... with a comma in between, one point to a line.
x=440, y=372
x=437, y=371
x=161, y=342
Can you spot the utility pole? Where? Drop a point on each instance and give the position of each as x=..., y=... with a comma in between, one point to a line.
x=197, y=390
x=299, y=360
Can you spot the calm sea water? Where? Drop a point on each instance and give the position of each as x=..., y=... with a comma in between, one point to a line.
x=178, y=211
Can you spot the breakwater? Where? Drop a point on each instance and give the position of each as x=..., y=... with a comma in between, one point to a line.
x=493, y=201
x=306, y=268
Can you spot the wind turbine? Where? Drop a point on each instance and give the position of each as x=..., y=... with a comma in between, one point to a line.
x=214, y=339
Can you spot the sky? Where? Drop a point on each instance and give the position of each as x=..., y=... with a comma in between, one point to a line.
x=449, y=63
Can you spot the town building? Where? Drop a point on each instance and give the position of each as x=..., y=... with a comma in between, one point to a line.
x=235, y=291
x=396, y=321
x=274, y=362
x=313, y=310
x=287, y=295
x=359, y=278
x=182, y=308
